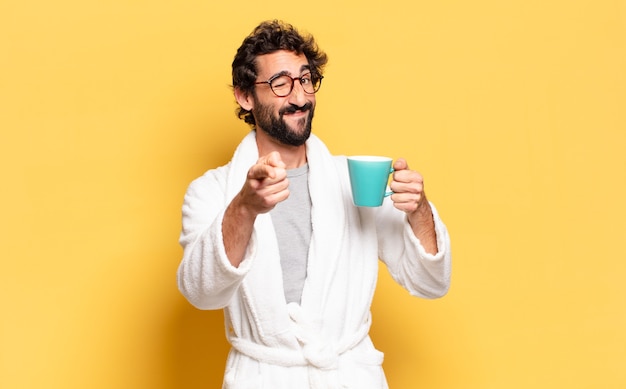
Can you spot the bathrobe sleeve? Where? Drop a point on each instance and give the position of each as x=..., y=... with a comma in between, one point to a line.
x=205, y=276
x=422, y=274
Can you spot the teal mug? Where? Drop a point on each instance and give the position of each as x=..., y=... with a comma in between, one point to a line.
x=368, y=179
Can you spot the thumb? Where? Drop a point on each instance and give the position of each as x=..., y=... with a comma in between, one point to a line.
x=400, y=164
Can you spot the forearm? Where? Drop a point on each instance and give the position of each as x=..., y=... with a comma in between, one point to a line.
x=423, y=226
x=237, y=227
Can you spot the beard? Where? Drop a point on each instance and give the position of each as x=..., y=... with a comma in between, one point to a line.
x=277, y=128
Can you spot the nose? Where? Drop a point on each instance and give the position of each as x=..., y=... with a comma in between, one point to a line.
x=297, y=96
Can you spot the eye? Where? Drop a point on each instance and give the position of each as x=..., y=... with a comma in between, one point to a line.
x=280, y=82
x=306, y=79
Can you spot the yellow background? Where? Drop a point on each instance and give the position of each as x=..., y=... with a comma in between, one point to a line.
x=514, y=111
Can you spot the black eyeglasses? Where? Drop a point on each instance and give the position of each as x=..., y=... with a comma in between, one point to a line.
x=282, y=84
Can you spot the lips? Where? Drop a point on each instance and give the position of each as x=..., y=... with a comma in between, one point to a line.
x=293, y=109
x=296, y=113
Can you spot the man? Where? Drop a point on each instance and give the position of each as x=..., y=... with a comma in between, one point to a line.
x=274, y=239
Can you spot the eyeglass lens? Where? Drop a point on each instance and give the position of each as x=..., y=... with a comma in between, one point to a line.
x=283, y=85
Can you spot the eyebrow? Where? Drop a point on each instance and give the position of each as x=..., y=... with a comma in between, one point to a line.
x=286, y=73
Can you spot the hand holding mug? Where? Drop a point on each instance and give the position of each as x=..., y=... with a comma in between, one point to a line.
x=407, y=186
x=368, y=180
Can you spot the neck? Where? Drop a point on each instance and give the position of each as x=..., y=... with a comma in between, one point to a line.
x=292, y=156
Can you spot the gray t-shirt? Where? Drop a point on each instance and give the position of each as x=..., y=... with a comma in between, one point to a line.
x=292, y=223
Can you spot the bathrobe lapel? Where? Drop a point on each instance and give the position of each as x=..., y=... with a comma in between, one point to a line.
x=276, y=323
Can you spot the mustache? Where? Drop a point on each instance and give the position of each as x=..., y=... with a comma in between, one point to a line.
x=294, y=108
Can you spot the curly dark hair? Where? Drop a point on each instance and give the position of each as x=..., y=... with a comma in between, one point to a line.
x=266, y=38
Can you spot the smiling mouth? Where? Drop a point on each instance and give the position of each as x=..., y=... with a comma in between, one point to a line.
x=297, y=110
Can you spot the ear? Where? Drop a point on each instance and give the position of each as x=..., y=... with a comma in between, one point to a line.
x=244, y=99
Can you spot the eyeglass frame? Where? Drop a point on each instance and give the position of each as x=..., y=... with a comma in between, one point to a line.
x=293, y=82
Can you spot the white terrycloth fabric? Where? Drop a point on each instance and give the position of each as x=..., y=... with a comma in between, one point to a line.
x=324, y=342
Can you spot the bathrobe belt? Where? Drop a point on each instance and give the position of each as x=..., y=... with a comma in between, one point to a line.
x=314, y=351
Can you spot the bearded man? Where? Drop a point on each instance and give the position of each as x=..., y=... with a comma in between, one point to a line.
x=274, y=239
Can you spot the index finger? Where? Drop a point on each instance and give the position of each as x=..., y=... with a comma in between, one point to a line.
x=272, y=159
x=261, y=171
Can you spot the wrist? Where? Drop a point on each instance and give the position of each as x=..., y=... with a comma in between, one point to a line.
x=240, y=212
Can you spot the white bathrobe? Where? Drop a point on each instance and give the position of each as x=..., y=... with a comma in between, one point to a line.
x=324, y=341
